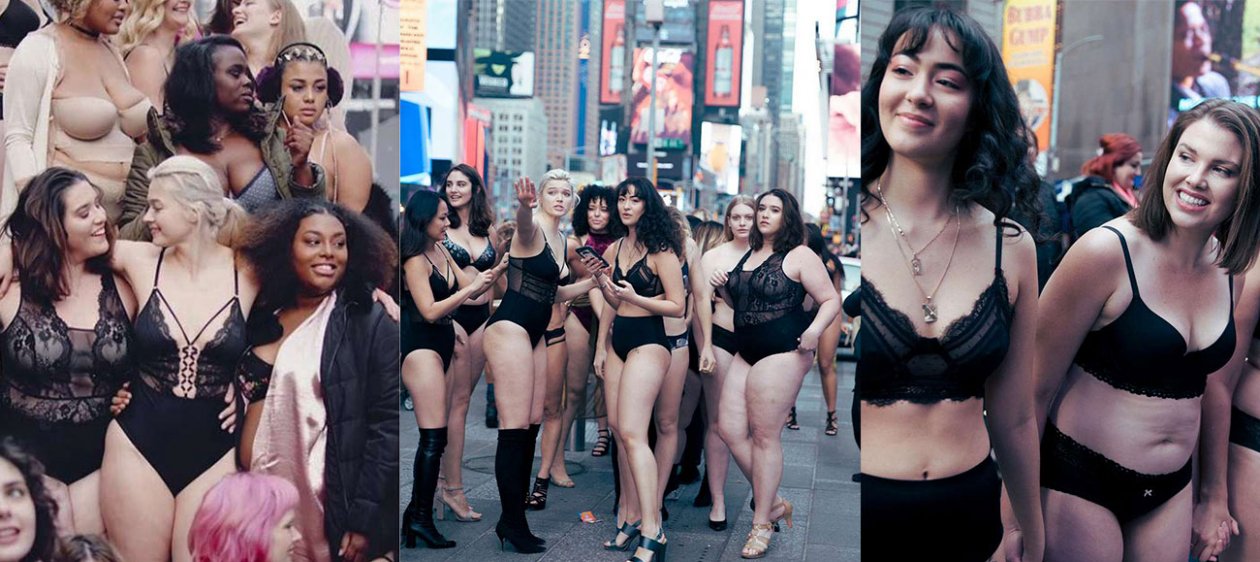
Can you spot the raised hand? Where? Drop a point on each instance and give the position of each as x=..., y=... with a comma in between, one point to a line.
x=526, y=193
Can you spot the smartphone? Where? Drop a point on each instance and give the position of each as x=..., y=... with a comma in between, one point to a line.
x=587, y=251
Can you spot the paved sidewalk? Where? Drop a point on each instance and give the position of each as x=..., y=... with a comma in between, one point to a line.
x=816, y=478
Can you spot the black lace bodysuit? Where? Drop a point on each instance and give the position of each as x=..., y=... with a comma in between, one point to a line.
x=58, y=381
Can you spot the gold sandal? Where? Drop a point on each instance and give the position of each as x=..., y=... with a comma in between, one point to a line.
x=758, y=541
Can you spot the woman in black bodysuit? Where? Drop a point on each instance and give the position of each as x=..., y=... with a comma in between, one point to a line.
x=66, y=341
x=948, y=298
x=775, y=345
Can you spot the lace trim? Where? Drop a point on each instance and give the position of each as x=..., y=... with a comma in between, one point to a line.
x=181, y=372
x=1172, y=388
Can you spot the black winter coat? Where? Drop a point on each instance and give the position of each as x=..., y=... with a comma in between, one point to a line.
x=1093, y=203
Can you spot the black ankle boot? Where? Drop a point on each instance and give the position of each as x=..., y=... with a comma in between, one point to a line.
x=418, y=518
x=511, y=458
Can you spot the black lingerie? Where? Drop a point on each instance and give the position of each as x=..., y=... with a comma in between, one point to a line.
x=639, y=276
x=897, y=364
x=532, y=284
x=173, y=416
x=767, y=304
x=462, y=259
x=1142, y=353
x=418, y=333
x=58, y=382
x=1244, y=429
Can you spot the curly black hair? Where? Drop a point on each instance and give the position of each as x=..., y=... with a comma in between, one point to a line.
x=192, y=98
x=32, y=471
x=588, y=196
x=991, y=166
x=420, y=211
x=268, y=245
x=480, y=216
x=270, y=78
x=792, y=228
x=656, y=230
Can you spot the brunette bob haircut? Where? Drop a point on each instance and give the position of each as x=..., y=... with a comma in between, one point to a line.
x=792, y=230
x=1239, y=235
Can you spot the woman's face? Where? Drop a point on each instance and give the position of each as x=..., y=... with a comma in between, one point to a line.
x=597, y=215
x=255, y=17
x=320, y=253
x=84, y=221
x=557, y=195
x=233, y=84
x=740, y=219
x=1126, y=171
x=169, y=221
x=176, y=13
x=459, y=190
x=105, y=16
x=770, y=215
x=305, y=89
x=17, y=514
x=925, y=100
x=1201, y=183
x=284, y=538
x=630, y=206
x=436, y=229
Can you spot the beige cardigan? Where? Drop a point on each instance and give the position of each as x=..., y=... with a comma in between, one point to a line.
x=33, y=72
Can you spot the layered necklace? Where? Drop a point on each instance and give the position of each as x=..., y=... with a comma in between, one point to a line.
x=912, y=261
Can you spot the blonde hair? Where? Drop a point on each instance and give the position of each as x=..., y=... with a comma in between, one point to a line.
x=195, y=185
x=709, y=235
x=292, y=28
x=680, y=219
x=145, y=17
x=726, y=217
x=557, y=174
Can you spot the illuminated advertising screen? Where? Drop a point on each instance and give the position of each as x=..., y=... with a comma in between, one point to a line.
x=1215, y=54
x=674, y=97
x=612, y=72
x=719, y=156
x=724, y=53
x=503, y=74
x=845, y=113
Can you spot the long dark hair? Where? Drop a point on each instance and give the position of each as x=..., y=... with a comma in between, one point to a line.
x=480, y=216
x=221, y=19
x=192, y=98
x=991, y=166
x=45, y=508
x=589, y=195
x=814, y=239
x=792, y=229
x=420, y=211
x=656, y=230
x=39, y=236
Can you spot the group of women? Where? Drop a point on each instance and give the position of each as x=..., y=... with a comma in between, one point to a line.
x=648, y=304
x=1132, y=360
x=191, y=285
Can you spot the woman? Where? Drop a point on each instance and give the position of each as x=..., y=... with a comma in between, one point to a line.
x=1124, y=469
x=473, y=245
x=553, y=399
x=188, y=337
x=149, y=36
x=26, y=508
x=80, y=112
x=435, y=287
x=595, y=226
x=248, y=517
x=830, y=337
x=515, y=332
x=85, y=548
x=264, y=27
x=329, y=419
x=739, y=218
x=66, y=345
x=707, y=235
x=18, y=18
x=211, y=116
x=300, y=75
x=943, y=152
x=644, y=288
x=221, y=19
x=775, y=341
x=1109, y=191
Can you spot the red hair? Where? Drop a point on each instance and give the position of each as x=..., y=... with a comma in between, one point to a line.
x=1117, y=148
x=237, y=516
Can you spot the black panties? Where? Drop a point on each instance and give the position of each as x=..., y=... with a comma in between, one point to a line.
x=179, y=437
x=471, y=316
x=1244, y=430
x=629, y=332
x=725, y=339
x=956, y=518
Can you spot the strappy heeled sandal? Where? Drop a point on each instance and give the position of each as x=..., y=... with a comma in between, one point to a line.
x=537, y=500
x=758, y=541
x=470, y=516
x=833, y=426
x=654, y=546
x=601, y=444
x=791, y=421
x=630, y=530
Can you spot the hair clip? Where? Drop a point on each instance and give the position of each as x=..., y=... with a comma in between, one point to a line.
x=301, y=52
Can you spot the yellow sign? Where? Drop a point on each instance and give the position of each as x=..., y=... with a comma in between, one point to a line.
x=412, y=49
x=1028, y=50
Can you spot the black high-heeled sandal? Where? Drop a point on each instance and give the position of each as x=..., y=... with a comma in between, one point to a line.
x=791, y=421
x=630, y=530
x=601, y=444
x=537, y=500
x=656, y=546
x=833, y=425
x=518, y=538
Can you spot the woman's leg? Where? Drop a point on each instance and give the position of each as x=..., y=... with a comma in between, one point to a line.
x=692, y=389
x=85, y=501
x=577, y=371
x=1244, y=474
x=189, y=499
x=423, y=378
x=553, y=403
x=717, y=456
x=462, y=378
x=641, y=382
x=1078, y=529
x=770, y=390
x=138, y=524
x=668, y=404
x=1161, y=535
x=628, y=503
x=827, y=362
x=733, y=416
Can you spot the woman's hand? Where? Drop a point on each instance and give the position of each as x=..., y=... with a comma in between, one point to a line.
x=1212, y=528
x=353, y=547
x=594, y=265
x=707, y=360
x=525, y=192
x=624, y=292
x=1011, y=549
x=298, y=139
x=120, y=400
x=718, y=279
x=808, y=342
x=601, y=360
x=484, y=279
x=227, y=417
x=388, y=302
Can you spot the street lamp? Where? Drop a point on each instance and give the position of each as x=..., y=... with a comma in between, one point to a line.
x=654, y=13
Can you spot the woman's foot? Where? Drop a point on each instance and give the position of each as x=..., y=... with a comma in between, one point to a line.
x=625, y=534
x=601, y=443
x=758, y=541
x=651, y=549
x=717, y=515
x=454, y=500
x=833, y=425
x=561, y=479
x=791, y=420
x=537, y=500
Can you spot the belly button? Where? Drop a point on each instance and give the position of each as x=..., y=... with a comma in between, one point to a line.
x=925, y=475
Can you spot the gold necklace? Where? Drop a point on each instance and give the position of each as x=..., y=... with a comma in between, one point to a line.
x=916, y=265
x=929, y=307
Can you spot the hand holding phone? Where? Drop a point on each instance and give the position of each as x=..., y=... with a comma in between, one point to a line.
x=590, y=257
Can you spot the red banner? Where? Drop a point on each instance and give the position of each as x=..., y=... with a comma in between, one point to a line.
x=724, y=53
x=613, y=74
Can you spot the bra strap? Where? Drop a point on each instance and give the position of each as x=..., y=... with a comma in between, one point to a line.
x=997, y=263
x=740, y=266
x=158, y=270
x=1128, y=262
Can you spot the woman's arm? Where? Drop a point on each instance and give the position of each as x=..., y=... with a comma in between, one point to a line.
x=147, y=70
x=818, y=285
x=136, y=198
x=354, y=172
x=470, y=280
x=416, y=271
x=526, y=196
x=702, y=295
x=29, y=73
x=1009, y=400
x=601, y=338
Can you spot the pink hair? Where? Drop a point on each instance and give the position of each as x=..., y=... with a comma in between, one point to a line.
x=237, y=516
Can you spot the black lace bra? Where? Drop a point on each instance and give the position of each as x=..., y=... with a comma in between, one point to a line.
x=462, y=258
x=897, y=364
x=536, y=277
x=764, y=293
x=639, y=276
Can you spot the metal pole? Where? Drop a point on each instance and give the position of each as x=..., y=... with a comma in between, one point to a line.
x=656, y=46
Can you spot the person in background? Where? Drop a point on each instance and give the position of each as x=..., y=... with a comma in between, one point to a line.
x=85, y=548
x=1108, y=190
x=149, y=36
x=246, y=517
x=26, y=510
x=221, y=19
x=264, y=27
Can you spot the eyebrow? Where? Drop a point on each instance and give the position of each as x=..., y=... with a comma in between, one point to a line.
x=940, y=65
x=1182, y=145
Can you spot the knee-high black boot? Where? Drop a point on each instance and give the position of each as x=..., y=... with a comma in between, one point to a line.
x=514, y=451
x=418, y=518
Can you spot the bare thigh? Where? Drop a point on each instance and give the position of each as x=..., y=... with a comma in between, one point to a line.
x=189, y=499
x=138, y=524
x=85, y=497
x=1163, y=535
x=1244, y=474
x=1078, y=530
x=770, y=390
x=507, y=346
x=422, y=376
x=669, y=398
